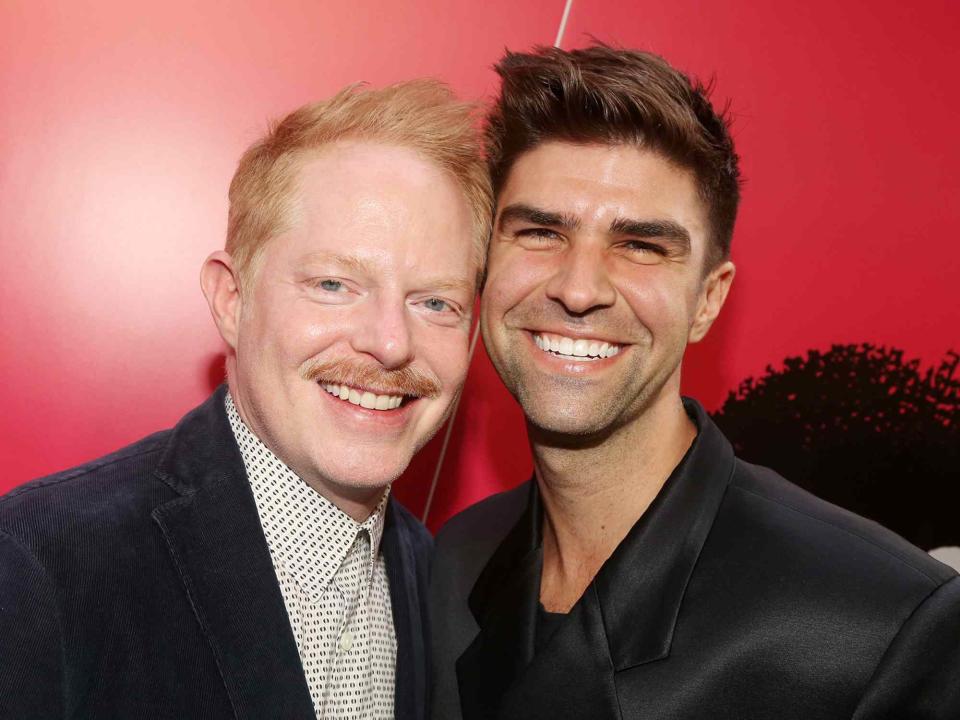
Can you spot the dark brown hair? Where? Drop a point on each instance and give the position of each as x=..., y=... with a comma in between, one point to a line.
x=607, y=95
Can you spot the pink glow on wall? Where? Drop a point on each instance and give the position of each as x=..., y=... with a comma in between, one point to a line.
x=121, y=123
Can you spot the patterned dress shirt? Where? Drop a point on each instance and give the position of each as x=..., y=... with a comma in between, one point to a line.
x=334, y=584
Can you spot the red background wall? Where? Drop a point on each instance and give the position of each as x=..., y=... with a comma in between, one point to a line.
x=121, y=123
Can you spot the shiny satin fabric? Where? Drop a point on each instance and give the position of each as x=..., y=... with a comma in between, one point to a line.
x=736, y=595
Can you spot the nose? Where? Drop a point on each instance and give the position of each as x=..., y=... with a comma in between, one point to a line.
x=383, y=332
x=581, y=282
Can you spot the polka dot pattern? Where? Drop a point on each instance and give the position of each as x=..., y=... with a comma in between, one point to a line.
x=334, y=583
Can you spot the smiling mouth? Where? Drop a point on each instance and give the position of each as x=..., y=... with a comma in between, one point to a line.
x=364, y=398
x=579, y=350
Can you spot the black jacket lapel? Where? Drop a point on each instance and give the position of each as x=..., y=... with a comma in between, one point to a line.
x=214, y=536
x=626, y=617
x=641, y=586
x=504, y=602
x=410, y=697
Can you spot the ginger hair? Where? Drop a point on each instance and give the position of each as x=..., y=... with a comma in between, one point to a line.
x=422, y=115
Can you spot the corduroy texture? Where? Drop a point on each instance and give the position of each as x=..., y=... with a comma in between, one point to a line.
x=140, y=586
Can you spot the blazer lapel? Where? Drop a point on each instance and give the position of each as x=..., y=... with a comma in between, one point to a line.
x=410, y=697
x=504, y=602
x=641, y=586
x=626, y=617
x=214, y=536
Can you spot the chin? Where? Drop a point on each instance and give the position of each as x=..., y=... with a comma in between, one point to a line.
x=565, y=423
x=371, y=473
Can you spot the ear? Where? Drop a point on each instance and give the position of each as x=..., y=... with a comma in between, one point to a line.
x=221, y=287
x=712, y=296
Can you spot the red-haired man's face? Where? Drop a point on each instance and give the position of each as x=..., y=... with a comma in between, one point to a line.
x=353, y=340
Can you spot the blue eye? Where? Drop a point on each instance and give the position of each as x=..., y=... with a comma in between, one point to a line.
x=437, y=305
x=331, y=285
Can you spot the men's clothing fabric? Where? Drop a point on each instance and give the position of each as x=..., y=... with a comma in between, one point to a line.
x=140, y=585
x=735, y=595
x=333, y=579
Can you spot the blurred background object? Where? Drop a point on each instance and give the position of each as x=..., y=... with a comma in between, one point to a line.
x=121, y=123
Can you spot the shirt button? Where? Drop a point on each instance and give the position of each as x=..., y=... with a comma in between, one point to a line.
x=346, y=641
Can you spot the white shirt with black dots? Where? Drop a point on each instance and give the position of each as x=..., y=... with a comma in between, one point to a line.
x=334, y=583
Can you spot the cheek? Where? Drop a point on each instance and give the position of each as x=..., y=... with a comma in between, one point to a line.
x=513, y=281
x=319, y=327
x=660, y=307
x=289, y=335
x=446, y=352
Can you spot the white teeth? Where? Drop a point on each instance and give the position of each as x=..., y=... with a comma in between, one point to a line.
x=365, y=399
x=581, y=348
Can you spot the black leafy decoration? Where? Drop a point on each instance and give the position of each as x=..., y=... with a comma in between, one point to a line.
x=863, y=428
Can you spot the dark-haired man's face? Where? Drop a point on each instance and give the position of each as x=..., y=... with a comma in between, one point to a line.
x=596, y=284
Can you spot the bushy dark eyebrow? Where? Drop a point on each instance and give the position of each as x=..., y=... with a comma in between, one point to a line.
x=670, y=232
x=538, y=216
x=667, y=230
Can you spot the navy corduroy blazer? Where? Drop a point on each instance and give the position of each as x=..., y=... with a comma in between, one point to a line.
x=140, y=585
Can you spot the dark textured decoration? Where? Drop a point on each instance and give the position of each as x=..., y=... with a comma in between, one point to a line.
x=863, y=428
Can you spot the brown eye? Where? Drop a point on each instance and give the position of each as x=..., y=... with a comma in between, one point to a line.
x=541, y=233
x=641, y=247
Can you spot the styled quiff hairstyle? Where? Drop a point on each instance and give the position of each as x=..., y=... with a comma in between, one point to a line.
x=611, y=96
x=422, y=115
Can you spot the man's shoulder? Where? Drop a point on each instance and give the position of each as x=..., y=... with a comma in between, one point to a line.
x=468, y=539
x=490, y=519
x=463, y=547
x=86, y=498
x=775, y=510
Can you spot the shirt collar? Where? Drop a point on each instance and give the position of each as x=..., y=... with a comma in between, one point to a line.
x=306, y=533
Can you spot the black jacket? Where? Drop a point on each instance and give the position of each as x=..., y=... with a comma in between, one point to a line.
x=140, y=586
x=736, y=595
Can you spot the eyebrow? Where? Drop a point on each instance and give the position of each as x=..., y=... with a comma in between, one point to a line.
x=667, y=230
x=348, y=261
x=446, y=284
x=538, y=216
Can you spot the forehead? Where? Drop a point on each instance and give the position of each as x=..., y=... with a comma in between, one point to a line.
x=598, y=183
x=356, y=182
x=381, y=203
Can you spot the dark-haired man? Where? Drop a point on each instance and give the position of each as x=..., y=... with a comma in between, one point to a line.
x=646, y=572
